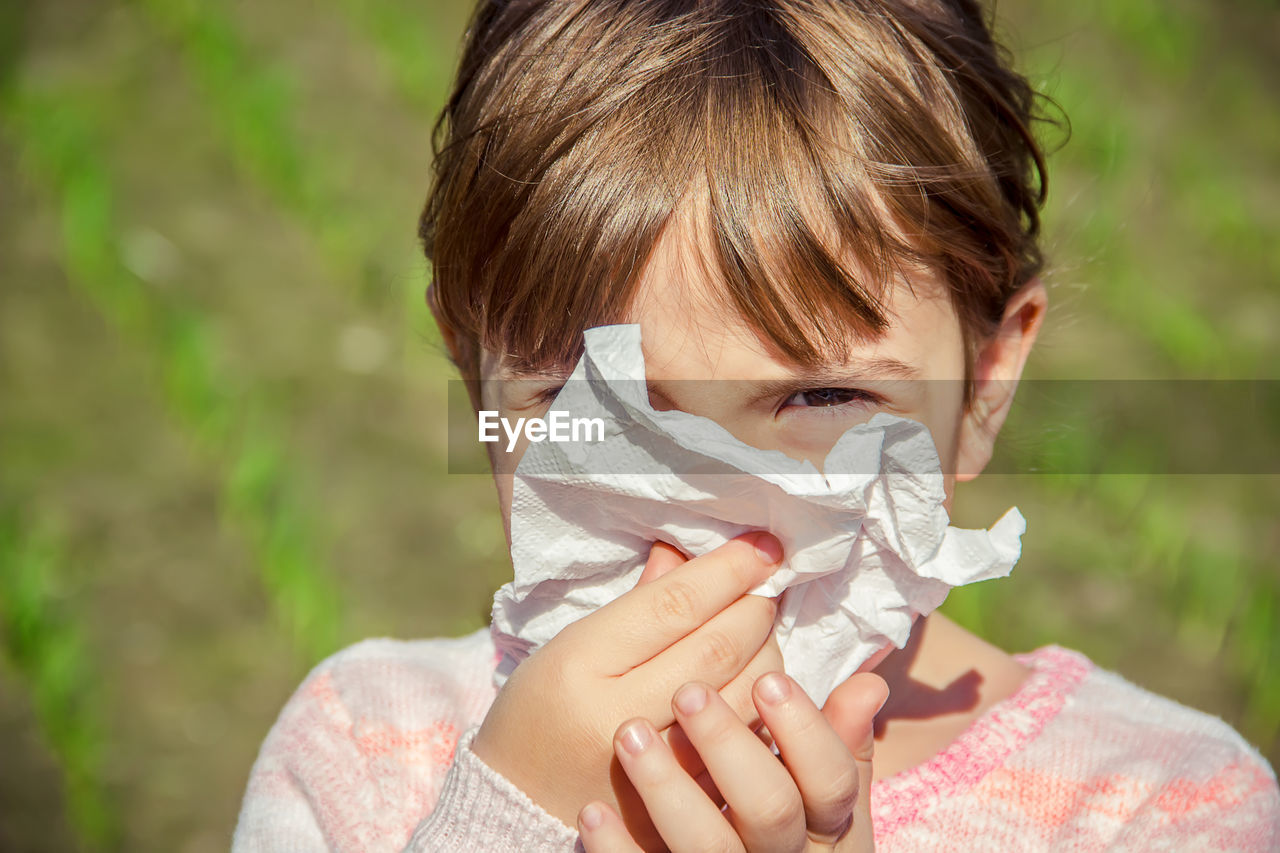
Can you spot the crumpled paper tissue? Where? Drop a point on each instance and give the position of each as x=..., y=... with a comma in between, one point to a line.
x=866, y=541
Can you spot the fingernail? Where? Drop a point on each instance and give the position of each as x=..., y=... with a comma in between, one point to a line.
x=774, y=688
x=592, y=816
x=636, y=738
x=691, y=698
x=768, y=547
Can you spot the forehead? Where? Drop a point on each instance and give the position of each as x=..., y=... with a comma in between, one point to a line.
x=691, y=328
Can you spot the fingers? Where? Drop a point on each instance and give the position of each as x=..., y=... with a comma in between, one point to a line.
x=681, y=812
x=738, y=691
x=819, y=792
x=737, y=694
x=663, y=558
x=602, y=830
x=715, y=653
x=831, y=781
x=851, y=710
x=630, y=805
x=657, y=614
x=765, y=806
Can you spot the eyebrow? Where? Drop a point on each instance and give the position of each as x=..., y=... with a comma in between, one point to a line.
x=525, y=373
x=852, y=371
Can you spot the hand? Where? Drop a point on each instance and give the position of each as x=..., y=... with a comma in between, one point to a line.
x=549, y=730
x=815, y=799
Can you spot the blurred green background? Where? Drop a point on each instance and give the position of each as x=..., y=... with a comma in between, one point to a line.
x=222, y=402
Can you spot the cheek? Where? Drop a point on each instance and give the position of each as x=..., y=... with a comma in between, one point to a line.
x=936, y=345
x=502, y=463
x=504, y=466
x=503, y=483
x=942, y=413
x=944, y=409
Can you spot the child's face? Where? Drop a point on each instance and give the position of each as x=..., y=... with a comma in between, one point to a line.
x=701, y=358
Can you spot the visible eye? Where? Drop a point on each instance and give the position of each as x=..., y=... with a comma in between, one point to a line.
x=826, y=398
x=547, y=396
x=529, y=395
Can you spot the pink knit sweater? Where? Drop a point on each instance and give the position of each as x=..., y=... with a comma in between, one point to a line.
x=372, y=754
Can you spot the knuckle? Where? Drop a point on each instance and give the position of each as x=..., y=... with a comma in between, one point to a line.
x=809, y=725
x=737, y=695
x=778, y=812
x=754, y=616
x=719, y=651
x=676, y=602
x=840, y=794
x=744, y=709
x=716, y=842
x=717, y=734
x=760, y=664
x=840, y=828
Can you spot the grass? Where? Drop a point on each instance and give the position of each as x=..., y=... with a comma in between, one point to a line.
x=1217, y=592
x=252, y=104
x=56, y=142
x=44, y=645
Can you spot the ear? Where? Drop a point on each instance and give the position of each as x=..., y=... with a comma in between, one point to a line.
x=997, y=369
x=462, y=356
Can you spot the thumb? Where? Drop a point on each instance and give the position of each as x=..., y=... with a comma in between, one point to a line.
x=662, y=559
x=851, y=710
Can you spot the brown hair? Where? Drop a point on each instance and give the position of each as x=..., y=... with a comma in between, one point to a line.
x=893, y=132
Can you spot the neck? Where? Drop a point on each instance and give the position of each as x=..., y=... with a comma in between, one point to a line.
x=939, y=683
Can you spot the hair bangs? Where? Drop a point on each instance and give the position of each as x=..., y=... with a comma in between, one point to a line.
x=825, y=152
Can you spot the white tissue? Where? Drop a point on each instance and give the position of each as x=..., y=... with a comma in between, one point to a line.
x=864, y=551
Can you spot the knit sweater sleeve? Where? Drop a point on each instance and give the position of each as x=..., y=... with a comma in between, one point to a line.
x=1218, y=794
x=372, y=753
x=1149, y=774
x=1081, y=759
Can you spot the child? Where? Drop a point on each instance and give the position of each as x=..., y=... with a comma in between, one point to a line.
x=816, y=199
